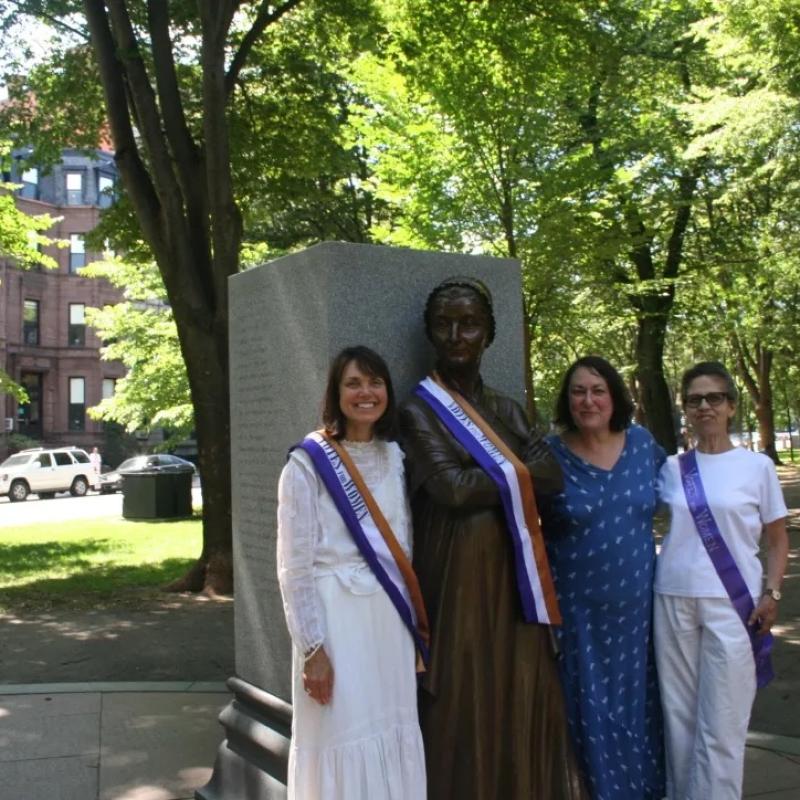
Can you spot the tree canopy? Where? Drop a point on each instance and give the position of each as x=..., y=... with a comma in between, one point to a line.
x=637, y=156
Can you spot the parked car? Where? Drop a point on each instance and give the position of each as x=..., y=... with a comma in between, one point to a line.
x=158, y=462
x=45, y=471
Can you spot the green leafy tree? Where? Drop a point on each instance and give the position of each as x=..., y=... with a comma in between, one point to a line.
x=562, y=142
x=745, y=125
x=140, y=332
x=184, y=90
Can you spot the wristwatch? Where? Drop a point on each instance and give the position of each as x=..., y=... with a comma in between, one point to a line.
x=773, y=593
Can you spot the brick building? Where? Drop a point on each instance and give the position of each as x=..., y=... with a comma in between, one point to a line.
x=45, y=344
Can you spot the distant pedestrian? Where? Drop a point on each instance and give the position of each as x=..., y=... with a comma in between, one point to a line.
x=96, y=460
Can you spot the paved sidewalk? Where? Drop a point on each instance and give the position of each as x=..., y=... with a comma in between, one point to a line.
x=158, y=741
x=108, y=742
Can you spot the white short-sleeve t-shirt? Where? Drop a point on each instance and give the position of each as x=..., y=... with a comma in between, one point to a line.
x=744, y=494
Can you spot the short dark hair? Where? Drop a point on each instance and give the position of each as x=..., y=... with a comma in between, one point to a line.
x=370, y=363
x=714, y=369
x=466, y=283
x=622, y=413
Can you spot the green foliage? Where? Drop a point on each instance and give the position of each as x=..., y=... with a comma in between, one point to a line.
x=140, y=332
x=554, y=133
x=18, y=441
x=22, y=235
x=319, y=180
x=742, y=301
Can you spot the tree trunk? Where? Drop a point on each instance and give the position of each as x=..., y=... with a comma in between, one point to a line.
x=766, y=424
x=208, y=377
x=653, y=388
x=527, y=330
x=754, y=366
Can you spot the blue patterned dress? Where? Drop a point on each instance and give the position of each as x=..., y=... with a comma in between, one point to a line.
x=599, y=536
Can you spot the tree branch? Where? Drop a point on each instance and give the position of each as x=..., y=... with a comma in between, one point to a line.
x=184, y=149
x=266, y=16
x=127, y=154
x=38, y=12
x=144, y=101
x=183, y=146
x=687, y=183
x=744, y=362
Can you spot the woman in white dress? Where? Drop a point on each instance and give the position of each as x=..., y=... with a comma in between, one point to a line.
x=355, y=731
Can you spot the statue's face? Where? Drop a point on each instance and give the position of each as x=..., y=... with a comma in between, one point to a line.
x=459, y=328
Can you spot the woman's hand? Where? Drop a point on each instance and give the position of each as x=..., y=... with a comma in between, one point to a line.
x=318, y=677
x=765, y=614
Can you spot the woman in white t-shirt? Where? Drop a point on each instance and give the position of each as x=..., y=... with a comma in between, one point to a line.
x=704, y=655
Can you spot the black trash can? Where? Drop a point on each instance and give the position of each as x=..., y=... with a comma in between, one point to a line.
x=157, y=495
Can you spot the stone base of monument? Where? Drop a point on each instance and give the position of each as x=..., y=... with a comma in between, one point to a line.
x=252, y=761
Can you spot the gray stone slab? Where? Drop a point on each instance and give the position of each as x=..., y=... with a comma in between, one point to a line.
x=47, y=704
x=288, y=318
x=70, y=778
x=49, y=726
x=111, y=687
x=789, y=745
x=157, y=746
x=770, y=775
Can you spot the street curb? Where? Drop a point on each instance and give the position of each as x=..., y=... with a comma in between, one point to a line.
x=195, y=687
x=774, y=743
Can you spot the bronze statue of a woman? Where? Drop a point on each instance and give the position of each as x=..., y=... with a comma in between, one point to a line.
x=492, y=713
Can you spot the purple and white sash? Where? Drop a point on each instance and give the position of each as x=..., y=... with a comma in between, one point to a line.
x=513, y=480
x=385, y=558
x=724, y=564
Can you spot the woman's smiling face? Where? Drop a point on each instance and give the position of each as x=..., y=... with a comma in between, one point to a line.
x=590, y=402
x=363, y=398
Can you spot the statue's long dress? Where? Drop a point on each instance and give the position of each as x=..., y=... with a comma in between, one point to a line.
x=492, y=712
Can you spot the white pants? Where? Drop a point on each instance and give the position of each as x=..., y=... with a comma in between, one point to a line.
x=706, y=673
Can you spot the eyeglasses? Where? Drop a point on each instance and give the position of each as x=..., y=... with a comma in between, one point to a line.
x=712, y=398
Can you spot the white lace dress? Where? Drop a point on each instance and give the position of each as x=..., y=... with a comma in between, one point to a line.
x=366, y=744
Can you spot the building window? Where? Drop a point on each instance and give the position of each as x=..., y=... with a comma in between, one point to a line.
x=30, y=184
x=30, y=322
x=77, y=325
x=77, y=404
x=29, y=420
x=77, y=252
x=105, y=190
x=109, y=387
x=74, y=188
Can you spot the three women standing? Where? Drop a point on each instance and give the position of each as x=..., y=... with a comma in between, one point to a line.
x=491, y=709
x=712, y=618
x=600, y=539
x=355, y=730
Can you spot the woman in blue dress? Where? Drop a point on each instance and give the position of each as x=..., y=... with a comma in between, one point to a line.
x=599, y=535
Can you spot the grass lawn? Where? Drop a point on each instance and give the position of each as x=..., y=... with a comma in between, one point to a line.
x=86, y=563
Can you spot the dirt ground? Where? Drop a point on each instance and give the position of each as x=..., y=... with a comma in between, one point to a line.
x=168, y=638
x=189, y=638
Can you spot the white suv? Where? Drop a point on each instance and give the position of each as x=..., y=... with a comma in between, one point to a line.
x=45, y=472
